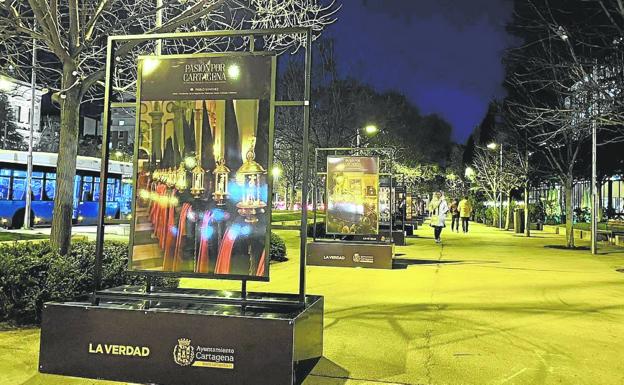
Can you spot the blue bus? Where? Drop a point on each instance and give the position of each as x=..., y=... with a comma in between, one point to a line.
x=86, y=189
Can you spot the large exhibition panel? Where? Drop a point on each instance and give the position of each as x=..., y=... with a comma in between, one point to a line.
x=352, y=195
x=202, y=190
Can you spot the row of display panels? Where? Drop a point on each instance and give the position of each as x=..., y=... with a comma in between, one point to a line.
x=202, y=196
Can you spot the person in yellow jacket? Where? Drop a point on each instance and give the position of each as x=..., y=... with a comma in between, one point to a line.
x=465, y=211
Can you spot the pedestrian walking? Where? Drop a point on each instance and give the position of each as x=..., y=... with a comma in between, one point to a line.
x=454, y=209
x=438, y=209
x=465, y=211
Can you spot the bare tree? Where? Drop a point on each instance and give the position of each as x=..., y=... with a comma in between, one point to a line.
x=491, y=177
x=423, y=178
x=564, y=78
x=456, y=185
x=71, y=36
x=487, y=174
x=337, y=114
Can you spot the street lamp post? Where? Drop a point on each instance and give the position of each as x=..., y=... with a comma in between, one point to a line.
x=594, y=182
x=594, y=177
x=29, y=159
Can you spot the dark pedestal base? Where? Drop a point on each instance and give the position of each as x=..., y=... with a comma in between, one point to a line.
x=182, y=344
x=409, y=229
x=350, y=254
x=398, y=237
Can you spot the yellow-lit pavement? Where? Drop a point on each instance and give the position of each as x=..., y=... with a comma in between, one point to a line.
x=490, y=307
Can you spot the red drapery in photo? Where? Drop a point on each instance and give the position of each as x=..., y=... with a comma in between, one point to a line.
x=167, y=239
x=261, y=264
x=203, y=255
x=224, y=258
x=179, y=246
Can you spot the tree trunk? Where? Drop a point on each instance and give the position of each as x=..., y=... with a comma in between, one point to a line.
x=60, y=234
x=286, y=197
x=495, y=209
x=569, y=213
x=509, y=213
x=527, y=218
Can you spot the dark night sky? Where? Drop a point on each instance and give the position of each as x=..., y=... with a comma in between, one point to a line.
x=445, y=55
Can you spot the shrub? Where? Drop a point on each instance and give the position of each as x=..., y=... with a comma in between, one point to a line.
x=479, y=211
x=32, y=274
x=536, y=213
x=277, y=251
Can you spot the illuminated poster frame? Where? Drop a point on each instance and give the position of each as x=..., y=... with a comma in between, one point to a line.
x=351, y=179
x=206, y=78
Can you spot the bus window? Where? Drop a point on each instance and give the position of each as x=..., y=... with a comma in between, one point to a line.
x=87, y=193
x=110, y=190
x=76, y=189
x=126, y=198
x=37, y=189
x=19, y=189
x=87, y=189
x=96, y=190
x=117, y=189
x=50, y=189
x=5, y=185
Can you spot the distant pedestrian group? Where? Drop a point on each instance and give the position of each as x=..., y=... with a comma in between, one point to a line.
x=460, y=211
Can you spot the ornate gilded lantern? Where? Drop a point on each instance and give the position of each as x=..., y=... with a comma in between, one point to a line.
x=221, y=173
x=180, y=177
x=170, y=178
x=249, y=175
x=197, y=185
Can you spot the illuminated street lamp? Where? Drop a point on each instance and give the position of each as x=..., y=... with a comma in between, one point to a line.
x=370, y=130
x=221, y=182
x=276, y=172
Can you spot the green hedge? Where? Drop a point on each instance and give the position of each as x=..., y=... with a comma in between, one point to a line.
x=32, y=274
x=277, y=252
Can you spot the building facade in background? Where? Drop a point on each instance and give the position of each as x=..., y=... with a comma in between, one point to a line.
x=19, y=97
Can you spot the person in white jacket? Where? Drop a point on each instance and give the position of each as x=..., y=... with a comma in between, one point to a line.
x=438, y=209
